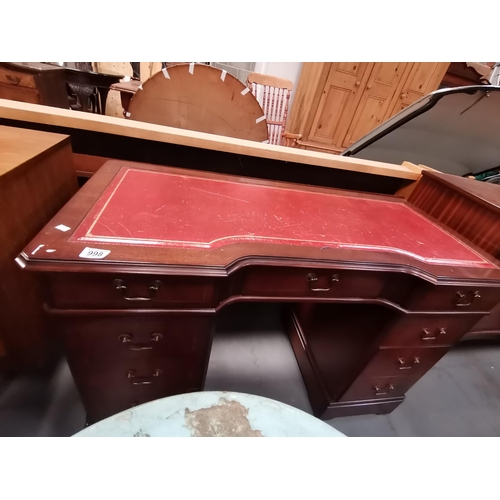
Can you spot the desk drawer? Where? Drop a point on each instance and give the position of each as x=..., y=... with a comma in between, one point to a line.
x=428, y=297
x=118, y=361
x=16, y=78
x=109, y=389
x=127, y=339
x=427, y=330
x=403, y=362
x=128, y=291
x=310, y=282
x=378, y=388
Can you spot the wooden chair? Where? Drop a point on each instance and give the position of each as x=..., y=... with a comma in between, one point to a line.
x=273, y=94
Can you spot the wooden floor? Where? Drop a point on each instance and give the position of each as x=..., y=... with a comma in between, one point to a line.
x=460, y=396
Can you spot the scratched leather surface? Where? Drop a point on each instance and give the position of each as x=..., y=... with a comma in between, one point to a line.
x=141, y=207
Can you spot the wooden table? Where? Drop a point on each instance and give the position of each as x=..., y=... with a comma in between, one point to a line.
x=127, y=91
x=200, y=98
x=376, y=291
x=211, y=414
x=37, y=178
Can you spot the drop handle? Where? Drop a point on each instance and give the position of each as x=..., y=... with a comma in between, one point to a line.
x=403, y=365
x=428, y=335
x=126, y=338
x=469, y=296
x=122, y=287
x=381, y=391
x=312, y=279
x=13, y=79
x=135, y=380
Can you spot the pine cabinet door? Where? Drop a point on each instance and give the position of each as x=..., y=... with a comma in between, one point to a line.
x=375, y=101
x=339, y=99
x=423, y=78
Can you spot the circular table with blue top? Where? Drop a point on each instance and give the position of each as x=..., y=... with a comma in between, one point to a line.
x=211, y=414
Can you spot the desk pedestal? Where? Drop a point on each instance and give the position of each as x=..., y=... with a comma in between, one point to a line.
x=361, y=358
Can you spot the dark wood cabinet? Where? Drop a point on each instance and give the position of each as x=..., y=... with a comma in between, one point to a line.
x=36, y=83
x=154, y=253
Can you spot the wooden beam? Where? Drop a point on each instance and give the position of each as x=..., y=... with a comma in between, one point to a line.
x=33, y=113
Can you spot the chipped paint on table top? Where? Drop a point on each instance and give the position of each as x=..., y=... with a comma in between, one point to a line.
x=211, y=414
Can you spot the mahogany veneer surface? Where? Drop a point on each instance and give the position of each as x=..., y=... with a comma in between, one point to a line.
x=471, y=209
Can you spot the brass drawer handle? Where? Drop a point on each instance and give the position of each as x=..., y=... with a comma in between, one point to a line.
x=312, y=278
x=380, y=391
x=122, y=287
x=403, y=365
x=13, y=79
x=428, y=335
x=135, y=380
x=461, y=295
x=126, y=338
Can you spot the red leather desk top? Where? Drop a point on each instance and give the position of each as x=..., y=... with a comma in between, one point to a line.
x=150, y=208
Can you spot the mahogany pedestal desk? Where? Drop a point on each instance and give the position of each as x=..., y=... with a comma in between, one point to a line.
x=377, y=292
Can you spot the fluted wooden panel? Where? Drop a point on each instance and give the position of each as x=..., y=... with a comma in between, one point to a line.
x=476, y=218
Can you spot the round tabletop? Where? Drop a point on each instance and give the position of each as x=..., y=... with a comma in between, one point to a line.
x=201, y=98
x=211, y=414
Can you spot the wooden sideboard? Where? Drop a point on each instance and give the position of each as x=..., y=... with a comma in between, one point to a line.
x=470, y=209
x=37, y=178
x=376, y=292
x=336, y=104
x=36, y=83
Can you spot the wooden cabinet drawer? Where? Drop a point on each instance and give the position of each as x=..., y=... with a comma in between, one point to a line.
x=118, y=362
x=108, y=390
x=427, y=330
x=22, y=94
x=488, y=325
x=310, y=282
x=378, y=388
x=127, y=291
x=403, y=362
x=428, y=297
x=11, y=77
